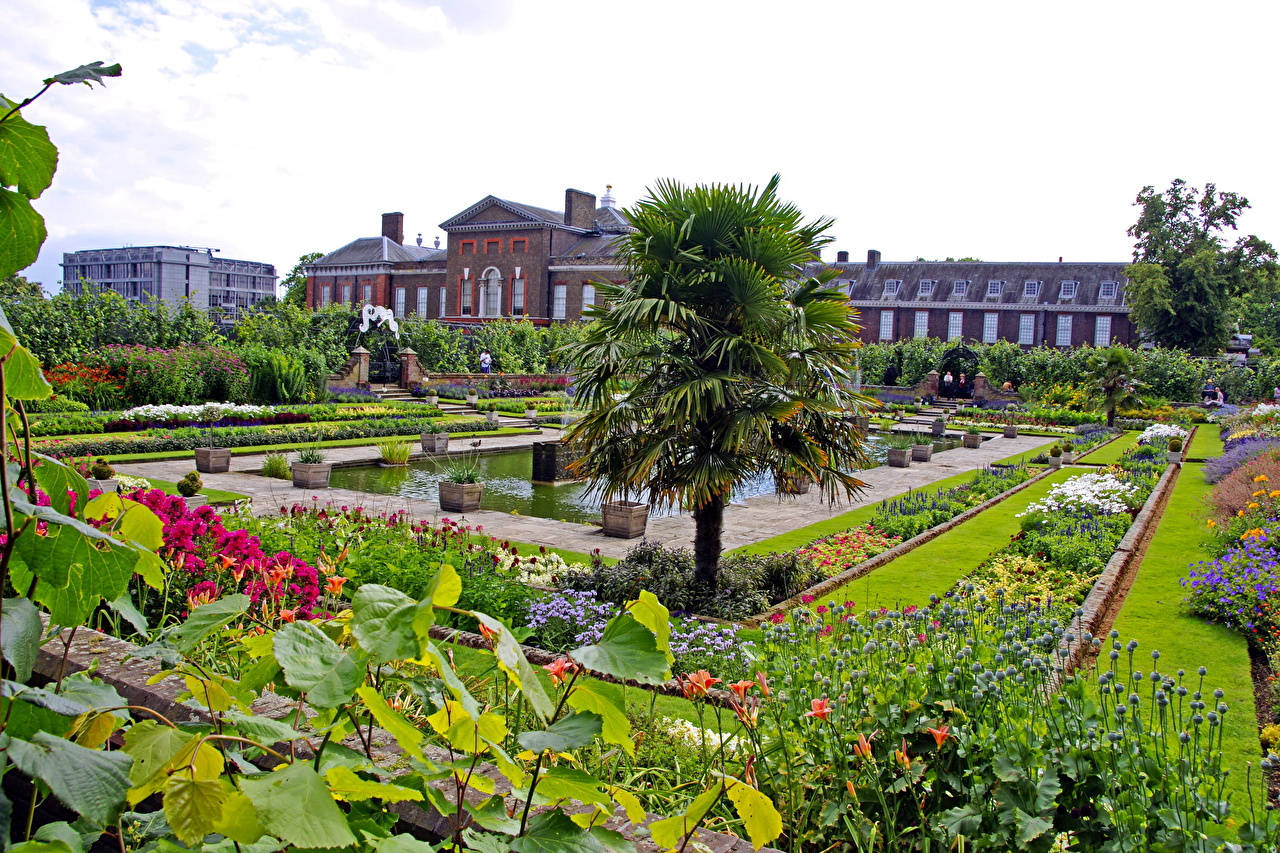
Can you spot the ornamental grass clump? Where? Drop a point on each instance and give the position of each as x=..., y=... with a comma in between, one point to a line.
x=393, y=452
x=276, y=466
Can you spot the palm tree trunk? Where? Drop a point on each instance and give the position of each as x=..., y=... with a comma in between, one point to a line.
x=1111, y=417
x=708, y=523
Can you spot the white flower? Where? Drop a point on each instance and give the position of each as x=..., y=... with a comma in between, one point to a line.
x=694, y=736
x=536, y=569
x=207, y=412
x=1158, y=431
x=1098, y=494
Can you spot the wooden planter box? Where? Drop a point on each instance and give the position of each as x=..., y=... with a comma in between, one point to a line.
x=794, y=484
x=624, y=519
x=460, y=497
x=938, y=427
x=308, y=475
x=921, y=452
x=862, y=422
x=435, y=442
x=973, y=442
x=1011, y=432
x=112, y=485
x=899, y=458
x=213, y=460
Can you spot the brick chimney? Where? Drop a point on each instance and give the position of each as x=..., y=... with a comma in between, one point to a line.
x=842, y=257
x=579, y=209
x=873, y=259
x=393, y=227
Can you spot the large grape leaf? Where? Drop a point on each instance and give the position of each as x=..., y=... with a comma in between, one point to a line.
x=409, y=738
x=512, y=661
x=315, y=665
x=206, y=619
x=670, y=832
x=23, y=378
x=22, y=232
x=89, y=781
x=577, y=729
x=192, y=806
x=295, y=805
x=88, y=74
x=555, y=832
x=59, y=480
x=20, y=635
x=601, y=699
x=27, y=156
x=757, y=812
x=388, y=624
x=627, y=650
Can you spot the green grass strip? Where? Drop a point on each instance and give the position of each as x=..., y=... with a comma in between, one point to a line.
x=1205, y=444
x=282, y=448
x=568, y=556
x=934, y=567
x=215, y=496
x=1152, y=614
x=1109, y=454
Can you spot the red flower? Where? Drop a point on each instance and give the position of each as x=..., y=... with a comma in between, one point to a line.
x=560, y=670
x=940, y=735
x=333, y=586
x=820, y=708
x=698, y=684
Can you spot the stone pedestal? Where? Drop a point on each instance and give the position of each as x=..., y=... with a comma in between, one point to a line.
x=928, y=386
x=410, y=370
x=551, y=460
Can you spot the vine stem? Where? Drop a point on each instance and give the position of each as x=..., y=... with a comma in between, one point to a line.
x=537, y=767
x=28, y=101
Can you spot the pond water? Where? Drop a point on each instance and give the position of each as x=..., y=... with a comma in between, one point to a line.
x=507, y=487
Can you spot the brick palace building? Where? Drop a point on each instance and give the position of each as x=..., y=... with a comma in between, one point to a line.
x=513, y=260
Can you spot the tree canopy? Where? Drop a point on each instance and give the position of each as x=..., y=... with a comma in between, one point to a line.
x=713, y=364
x=1185, y=275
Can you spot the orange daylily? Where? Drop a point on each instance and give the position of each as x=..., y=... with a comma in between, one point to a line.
x=940, y=735
x=764, y=684
x=848, y=786
x=698, y=683
x=488, y=633
x=900, y=755
x=560, y=670
x=287, y=615
x=862, y=748
x=333, y=585
x=820, y=708
x=741, y=688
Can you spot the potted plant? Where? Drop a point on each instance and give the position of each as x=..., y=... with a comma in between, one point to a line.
x=1175, y=450
x=939, y=426
x=490, y=414
x=434, y=439
x=189, y=487
x=624, y=519
x=921, y=451
x=1068, y=452
x=460, y=486
x=102, y=476
x=473, y=396
x=213, y=460
x=432, y=398
x=1055, y=457
x=972, y=438
x=793, y=482
x=1010, y=428
x=530, y=411
x=311, y=471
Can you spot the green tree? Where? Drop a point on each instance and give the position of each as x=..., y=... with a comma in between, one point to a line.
x=1112, y=381
x=19, y=287
x=295, y=283
x=712, y=364
x=1185, y=275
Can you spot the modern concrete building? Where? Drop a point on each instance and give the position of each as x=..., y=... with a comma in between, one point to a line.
x=172, y=274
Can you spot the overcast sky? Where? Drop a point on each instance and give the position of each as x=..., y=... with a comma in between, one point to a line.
x=1006, y=131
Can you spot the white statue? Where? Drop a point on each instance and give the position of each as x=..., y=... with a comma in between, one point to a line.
x=376, y=315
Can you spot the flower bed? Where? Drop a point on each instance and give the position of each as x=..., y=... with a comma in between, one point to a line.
x=915, y=512
x=836, y=553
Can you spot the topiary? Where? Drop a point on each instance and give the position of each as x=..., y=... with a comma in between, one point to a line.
x=101, y=469
x=190, y=485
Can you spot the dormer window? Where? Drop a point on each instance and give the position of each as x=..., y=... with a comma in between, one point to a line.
x=995, y=288
x=1068, y=290
x=926, y=287
x=891, y=286
x=959, y=287
x=1030, y=289
x=1107, y=290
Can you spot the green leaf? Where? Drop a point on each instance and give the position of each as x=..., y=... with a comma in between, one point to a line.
x=568, y=783
x=611, y=840
x=192, y=806
x=23, y=378
x=1047, y=791
x=153, y=747
x=649, y=612
x=55, y=846
x=264, y=730
x=141, y=526
x=88, y=781
x=512, y=661
x=1030, y=828
x=491, y=813
x=239, y=820
x=345, y=785
x=295, y=806
x=388, y=624
x=451, y=680
x=402, y=843
x=571, y=732
x=409, y=738
x=601, y=699
x=28, y=157
x=124, y=607
x=205, y=620
x=555, y=832
x=670, y=832
x=20, y=630
x=315, y=665
x=761, y=819
x=627, y=650
x=86, y=74
x=22, y=233
x=446, y=587
x=58, y=480
x=62, y=831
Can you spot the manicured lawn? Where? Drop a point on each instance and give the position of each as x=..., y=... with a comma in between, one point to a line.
x=1153, y=616
x=1205, y=444
x=342, y=442
x=934, y=567
x=1109, y=454
x=215, y=496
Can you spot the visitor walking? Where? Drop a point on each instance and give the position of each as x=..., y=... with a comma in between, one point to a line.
x=947, y=382
x=486, y=361
x=1275, y=394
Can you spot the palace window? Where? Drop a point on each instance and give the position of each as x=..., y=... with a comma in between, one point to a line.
x=366, y=293
x=558, y=292
x=1026, y=329
x=1107, y=290
x=891, y=287
x=990, y=327
x=422, y=301
x=400, y=301
x=1064, y=330
x=886, y=325
x=995, y=288
x=921, y=329
x=517, y=297
x=959, y=288
x=588, y=295
x=955, y=325
x=1068, y=290
x=926, y=287
x=1102, y=331
x=346, y=294
x=443, y=301
x=464, y=304
x=1030, y=288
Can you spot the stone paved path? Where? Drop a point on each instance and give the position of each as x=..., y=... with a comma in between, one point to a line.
x=750, y=521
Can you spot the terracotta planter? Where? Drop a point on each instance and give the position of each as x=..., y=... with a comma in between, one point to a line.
x=213, y=460
x=899, y=458
x=794, y=484
x=1011, y=432
x=111, y=485
x=624, y=519
x=460, y=497
x=308, y=475
x=921, y=452
x=973, y=442
x=435, y=442
x=196, y=501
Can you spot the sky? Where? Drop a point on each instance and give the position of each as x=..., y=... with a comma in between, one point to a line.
x=1005, y=131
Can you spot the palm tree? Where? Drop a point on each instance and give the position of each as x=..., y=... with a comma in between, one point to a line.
x=1113, y=382
x=713, y=365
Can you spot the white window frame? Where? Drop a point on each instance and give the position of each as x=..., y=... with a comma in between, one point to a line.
x=559, y=295
x=346, y=294
x=990, y=327
x=920, y=329
x=1102, y=330
x=464, y=298
x=400, y=297
x=960, y=287
x=1068, y=290
x=517, y=297
x=423, y=300
x=366, y=293
x=891, y=286
x=1064, y=330
x=324, y=295
x=1114, y=287
x=588, y=296
x=926, y=286
x=1030, y=289
x=995, y=288
x=955, y=325
x=444, y=301
x=886, y=325
x=1027, y=329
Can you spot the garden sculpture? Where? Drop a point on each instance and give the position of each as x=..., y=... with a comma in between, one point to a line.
x=377, y=315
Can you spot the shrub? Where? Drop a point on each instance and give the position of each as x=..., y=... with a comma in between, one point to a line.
x=190, y=485
x=311, y=456
x=101, y=469
x=276, y=466
x=56, y=403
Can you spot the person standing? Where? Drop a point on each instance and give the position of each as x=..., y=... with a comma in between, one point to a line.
x=947, y=381
x=962, y=389
x=486, y=361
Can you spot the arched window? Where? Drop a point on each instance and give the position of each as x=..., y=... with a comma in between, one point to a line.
x=491, y=293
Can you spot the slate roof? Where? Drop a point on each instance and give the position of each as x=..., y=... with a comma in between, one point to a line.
x=367, y=250
x=611, y=220
x=520, y=212
x=595, y=247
